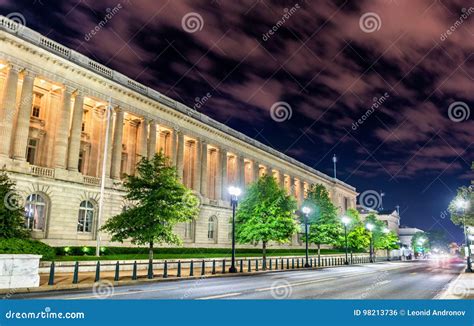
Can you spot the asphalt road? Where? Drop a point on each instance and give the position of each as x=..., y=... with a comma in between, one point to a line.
x=387, y=280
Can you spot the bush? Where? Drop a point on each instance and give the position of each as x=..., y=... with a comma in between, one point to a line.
x=26, y=246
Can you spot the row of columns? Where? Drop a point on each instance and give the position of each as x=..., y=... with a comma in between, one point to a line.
x=14, y=130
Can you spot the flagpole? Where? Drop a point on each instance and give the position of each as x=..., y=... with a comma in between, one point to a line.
x=102, y=181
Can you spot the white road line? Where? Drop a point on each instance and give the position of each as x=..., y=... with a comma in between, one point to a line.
x=120, y=293
x=226, y=295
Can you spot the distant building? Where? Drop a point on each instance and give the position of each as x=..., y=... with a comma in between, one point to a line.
x=389, y=217
x=406, y=234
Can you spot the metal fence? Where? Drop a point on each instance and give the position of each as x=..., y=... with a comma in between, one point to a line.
x=202, y=267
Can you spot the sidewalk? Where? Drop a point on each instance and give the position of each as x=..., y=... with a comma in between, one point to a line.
x=461, y=288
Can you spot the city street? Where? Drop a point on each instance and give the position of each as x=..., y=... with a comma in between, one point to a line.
x=385, y=280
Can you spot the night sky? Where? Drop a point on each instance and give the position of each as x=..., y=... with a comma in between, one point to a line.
x=298, y=76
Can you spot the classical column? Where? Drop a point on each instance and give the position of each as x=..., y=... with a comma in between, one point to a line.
x=282, y=179
x=218, y=176
x=20, y=140
x=180, y=155
x=302, y=191
x=7, y=109
x=117, y=145
x=197, y=165
x=75, y=134
x=291, y=188
x=174, y=146
x=255, y=170
x=223, y=161
x=61, y=139
x=203, y=172
x=152, y=140
x=143, y=138
x=241, y=171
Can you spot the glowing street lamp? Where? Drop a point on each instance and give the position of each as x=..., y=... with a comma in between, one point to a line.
x=234, y=193
x=345, y=221
x=462, y=205
x=370, y=227
x=306, y=211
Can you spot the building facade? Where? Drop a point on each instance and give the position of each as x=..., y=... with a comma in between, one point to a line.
x=53, y=132
x=391, y=218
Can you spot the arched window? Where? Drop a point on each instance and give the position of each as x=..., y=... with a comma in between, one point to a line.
x=86, y=216
x=35, y=212
x=212, y=227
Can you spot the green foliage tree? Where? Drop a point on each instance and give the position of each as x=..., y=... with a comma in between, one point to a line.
x=460, y=216
x=266, y=213
x=12, y=221
x=161, y=201
x=438, y=240
x=378, y=235
x=358, y=238
x=324, y=226
x=420, y=242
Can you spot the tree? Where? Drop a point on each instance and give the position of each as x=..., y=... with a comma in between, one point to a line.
x=459, y=215
x=438, y=240
x=378, y=235
x=324, y=226
x=12, y=221
x=161, y=201
x=266, y=213
x=358, y=238
x=420, y=242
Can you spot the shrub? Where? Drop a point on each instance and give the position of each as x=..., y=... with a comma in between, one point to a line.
x=26, y=246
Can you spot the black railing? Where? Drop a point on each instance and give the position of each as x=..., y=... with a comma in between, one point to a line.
x=203, y=267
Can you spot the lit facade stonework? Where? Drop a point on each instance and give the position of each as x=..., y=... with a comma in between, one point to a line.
x=53, y=131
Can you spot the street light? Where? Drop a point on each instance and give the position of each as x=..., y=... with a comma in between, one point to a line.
x=306, y=211
x=462, y=205
x=234, y=193
x=386, y=231
x=370, y=227
x=346, y=220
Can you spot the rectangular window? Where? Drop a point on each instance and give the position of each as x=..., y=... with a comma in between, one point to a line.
x=31, y=151
x=35, y=111
x=123, y=164
x=80, y=163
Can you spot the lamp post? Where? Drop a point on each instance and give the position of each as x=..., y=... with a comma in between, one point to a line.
x=370, y=227
x=386, y=231
x=346, y=220
x=306, y=211
x=462, y=205
x=234, y=193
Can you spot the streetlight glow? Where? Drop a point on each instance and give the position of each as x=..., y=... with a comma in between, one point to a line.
x=234, y=191
x=461, y=203
x=385, y=230
x=345, y=220
x=305, y=210
x=369, y=226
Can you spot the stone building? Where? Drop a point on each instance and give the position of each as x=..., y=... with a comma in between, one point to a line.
x=390, y=217
x=53, y=119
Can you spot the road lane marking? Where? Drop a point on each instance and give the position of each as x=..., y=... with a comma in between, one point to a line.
x=120, y=293
x=298, y=283
x=219, y=296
